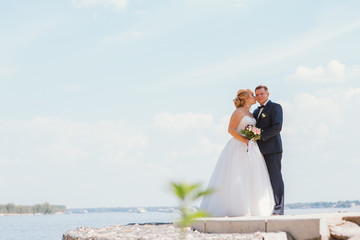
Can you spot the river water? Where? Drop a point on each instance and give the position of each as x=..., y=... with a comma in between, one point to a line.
x=51, y=227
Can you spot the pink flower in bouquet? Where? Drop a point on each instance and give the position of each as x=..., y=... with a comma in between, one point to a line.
x=251, y=132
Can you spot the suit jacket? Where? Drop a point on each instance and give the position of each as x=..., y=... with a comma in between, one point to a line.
x=270, y=121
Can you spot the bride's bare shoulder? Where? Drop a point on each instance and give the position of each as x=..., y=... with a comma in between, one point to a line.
x=238, y=113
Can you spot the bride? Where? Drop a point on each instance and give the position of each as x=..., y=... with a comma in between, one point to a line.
x=240, y=178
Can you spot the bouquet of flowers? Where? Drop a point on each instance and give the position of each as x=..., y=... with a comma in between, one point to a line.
x=251, y=132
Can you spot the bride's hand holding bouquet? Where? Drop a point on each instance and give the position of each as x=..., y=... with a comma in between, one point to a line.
x=251, y=132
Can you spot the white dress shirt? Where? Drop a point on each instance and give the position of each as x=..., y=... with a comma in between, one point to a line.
x=261, y=109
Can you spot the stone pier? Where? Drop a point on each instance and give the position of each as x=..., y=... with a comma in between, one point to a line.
x=299, y=227
x=289, y=227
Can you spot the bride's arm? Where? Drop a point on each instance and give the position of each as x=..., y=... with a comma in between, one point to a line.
x=233, y=124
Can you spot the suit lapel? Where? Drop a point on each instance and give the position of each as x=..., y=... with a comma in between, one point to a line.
x=256, y=113
x=267, y=106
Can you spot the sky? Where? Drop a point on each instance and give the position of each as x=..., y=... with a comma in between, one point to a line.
x=104, y=102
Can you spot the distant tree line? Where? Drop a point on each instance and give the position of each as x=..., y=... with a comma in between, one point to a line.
x=44, y=208
x=338, y=204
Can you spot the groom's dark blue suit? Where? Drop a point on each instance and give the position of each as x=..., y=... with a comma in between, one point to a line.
x=270, y=121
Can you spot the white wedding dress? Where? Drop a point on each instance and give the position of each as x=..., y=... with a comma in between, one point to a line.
x=241, y=181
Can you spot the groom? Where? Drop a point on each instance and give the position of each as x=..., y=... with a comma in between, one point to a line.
x=269, y=118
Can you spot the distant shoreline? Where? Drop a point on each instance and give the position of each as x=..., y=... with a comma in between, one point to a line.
x=31, y=214
x=288, y=211
x=48, y=209
x=44, y=208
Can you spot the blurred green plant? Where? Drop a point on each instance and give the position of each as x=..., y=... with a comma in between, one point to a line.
x=187, y=194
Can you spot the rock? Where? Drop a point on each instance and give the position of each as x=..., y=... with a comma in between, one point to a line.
x=345, y=230
x=164, y=231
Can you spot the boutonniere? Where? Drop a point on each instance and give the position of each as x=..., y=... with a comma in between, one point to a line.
x=263, y=115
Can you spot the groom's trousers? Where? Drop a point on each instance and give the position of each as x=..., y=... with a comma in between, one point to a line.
x=273, y=163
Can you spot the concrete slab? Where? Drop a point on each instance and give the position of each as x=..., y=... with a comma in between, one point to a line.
x=300, y=227
x=217, y=226
x=199, y=226
x=247, y=226
x=230, y=225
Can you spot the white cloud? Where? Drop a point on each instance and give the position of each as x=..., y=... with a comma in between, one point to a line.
x=320, y=136
x=74, y=88
x=351, y=93
x=311, y=121
x=6, y=161
x=189, y=136
x=320, y=133
x=208, y=147
x=123, y=37
x=257, y=58
x=78, y=157
x=232, y=3
x=353, y=71
x=115, y=4
x=333, y=72
x=141, y=11
x=62, y=151
x=239, y=3
x=222, y=126
x=64, y=141
x=8, y=71
x=187, y=142
x=183, y=120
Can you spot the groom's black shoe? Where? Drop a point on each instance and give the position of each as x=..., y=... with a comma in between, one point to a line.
x=279, y=209
x=278, y=212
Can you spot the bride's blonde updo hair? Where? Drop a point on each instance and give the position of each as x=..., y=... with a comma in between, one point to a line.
x=241, y=97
